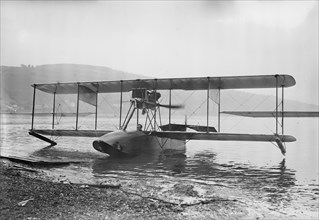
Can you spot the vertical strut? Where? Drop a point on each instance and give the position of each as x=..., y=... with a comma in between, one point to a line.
x=128, y=117
x=208, y=87
x=276, y=104
x=282, y=110
x=53, y=110
x=77, y=108
x=155, y=104
x=121, y=99
x=218, y=109
x=33, y=104
x=169, y=109
x=96, y=104
x=137, y=116
x=121, y=126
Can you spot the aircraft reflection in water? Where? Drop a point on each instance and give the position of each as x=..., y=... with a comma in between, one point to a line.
x=272, y=182
x=142, y=165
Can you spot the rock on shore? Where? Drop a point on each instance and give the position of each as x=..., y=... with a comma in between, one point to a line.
x=23, y=196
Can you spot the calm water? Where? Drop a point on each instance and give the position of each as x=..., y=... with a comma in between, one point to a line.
x=258, y=168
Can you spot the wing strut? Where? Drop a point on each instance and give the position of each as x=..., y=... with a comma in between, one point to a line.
x=279, y=114
x=96, y=104
x=279, y=140
x=77, y=108
x=276, y=104
x=282, y=110
x=218, y=109
x=53, y=110
x=170, y=109
x=208, y=88
x=34, y=86
x=155, y=106
x=121, y=100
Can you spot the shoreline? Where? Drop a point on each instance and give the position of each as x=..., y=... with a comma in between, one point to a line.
x=23, y=196
x=28, y=193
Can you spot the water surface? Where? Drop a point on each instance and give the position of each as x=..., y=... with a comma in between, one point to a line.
x=256, y=168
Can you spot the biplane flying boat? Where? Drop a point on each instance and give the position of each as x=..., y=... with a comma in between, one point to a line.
x=144, y=102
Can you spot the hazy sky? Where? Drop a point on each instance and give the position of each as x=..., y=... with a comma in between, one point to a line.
x=167, y=38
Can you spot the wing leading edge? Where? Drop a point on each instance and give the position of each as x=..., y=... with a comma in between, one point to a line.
x=199, y=83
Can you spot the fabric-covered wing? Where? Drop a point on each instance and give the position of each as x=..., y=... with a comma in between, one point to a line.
x=221, y=136
x=199, y=83
x=270, y=114
x=74, y=133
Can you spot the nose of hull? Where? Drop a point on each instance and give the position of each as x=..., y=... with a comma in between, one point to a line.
x=103, y=147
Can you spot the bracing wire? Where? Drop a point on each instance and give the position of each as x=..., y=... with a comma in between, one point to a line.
x=259, y=104
x=183, y=102
x=197, y=109
x=187, y=98
x=114, y=111
x=240, y=105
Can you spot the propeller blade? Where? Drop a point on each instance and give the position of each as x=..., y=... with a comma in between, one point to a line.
x=171, y=106
x=164, y=106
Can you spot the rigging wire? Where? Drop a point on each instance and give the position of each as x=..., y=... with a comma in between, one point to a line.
x=183, y=102
x=241, y=104
x=259, y=104
x=197, y=109
x=58, y=120
x=114, y=112
x=60, y=100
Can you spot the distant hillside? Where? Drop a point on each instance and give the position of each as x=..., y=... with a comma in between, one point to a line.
x=16, y=92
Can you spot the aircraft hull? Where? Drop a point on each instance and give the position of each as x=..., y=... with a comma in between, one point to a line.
x=130, y=143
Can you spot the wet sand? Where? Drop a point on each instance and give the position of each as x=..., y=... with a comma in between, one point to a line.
x=27, y=193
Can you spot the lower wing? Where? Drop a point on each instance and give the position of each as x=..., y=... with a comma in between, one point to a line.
x=270, y=114
x=75, y=133
x=222, y=136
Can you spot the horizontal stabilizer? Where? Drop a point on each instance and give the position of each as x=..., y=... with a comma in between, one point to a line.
x=270, y=114
x=75, y=133
x=182, y=127
x=180, y=135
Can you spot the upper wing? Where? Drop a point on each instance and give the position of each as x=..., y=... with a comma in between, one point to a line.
x=199, y=83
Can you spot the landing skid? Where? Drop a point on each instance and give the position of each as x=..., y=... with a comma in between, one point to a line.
x=52, y=143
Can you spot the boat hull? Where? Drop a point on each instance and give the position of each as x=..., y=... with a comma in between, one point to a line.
x=130, y=143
